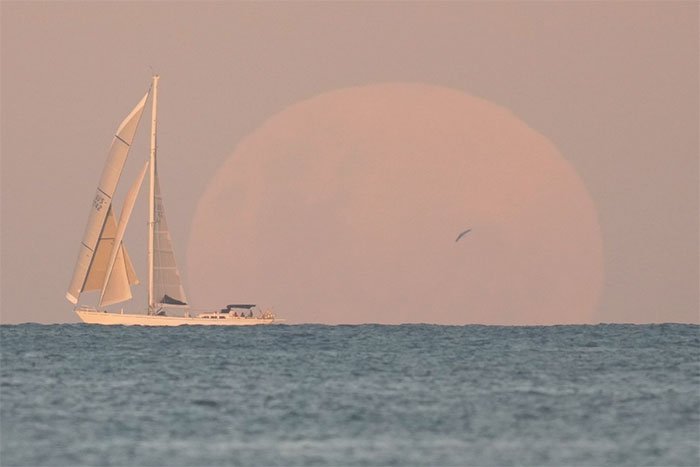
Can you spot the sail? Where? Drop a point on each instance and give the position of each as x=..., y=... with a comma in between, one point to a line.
x=101, y=205
x=105, y=244
x=167, y=285
x=116, y=285
x=117, y=289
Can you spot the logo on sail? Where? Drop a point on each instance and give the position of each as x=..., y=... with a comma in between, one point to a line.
x=99, y=202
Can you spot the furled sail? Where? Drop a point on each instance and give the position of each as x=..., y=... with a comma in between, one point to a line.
x=116, y=285
x=101, y=205
x=167, y=285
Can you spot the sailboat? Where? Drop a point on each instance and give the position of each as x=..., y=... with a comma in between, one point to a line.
x=103, y=262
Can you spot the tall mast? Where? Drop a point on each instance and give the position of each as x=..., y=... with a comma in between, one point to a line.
x=152, y=194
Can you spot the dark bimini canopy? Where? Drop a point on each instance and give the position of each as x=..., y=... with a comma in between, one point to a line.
x=246, y=306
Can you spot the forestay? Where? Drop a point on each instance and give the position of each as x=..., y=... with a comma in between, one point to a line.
x=116, y=286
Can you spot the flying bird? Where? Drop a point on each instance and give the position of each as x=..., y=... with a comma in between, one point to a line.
x=462, y=234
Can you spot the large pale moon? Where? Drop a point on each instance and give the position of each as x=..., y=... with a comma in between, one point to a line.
x=345, y=208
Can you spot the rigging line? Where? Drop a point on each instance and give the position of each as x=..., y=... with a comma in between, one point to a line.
x=98, y=189
x=122, y=140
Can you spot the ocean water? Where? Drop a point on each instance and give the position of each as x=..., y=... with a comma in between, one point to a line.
x=76, y=394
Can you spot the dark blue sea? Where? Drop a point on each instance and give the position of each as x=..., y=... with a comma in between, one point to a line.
x=75, y=394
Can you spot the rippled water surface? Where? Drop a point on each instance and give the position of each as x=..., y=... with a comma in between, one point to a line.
x=350, y=395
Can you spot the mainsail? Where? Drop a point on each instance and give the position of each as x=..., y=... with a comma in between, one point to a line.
x=116, y=286
x=167, y=285
x=101, y=210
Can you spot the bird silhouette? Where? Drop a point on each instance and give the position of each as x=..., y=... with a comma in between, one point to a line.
x=462, y=234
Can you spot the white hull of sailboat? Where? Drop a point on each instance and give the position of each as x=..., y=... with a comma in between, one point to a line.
x=133, y=319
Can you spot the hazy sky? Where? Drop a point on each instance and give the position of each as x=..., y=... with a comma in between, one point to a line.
x=346, y=207
x=613, y=86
